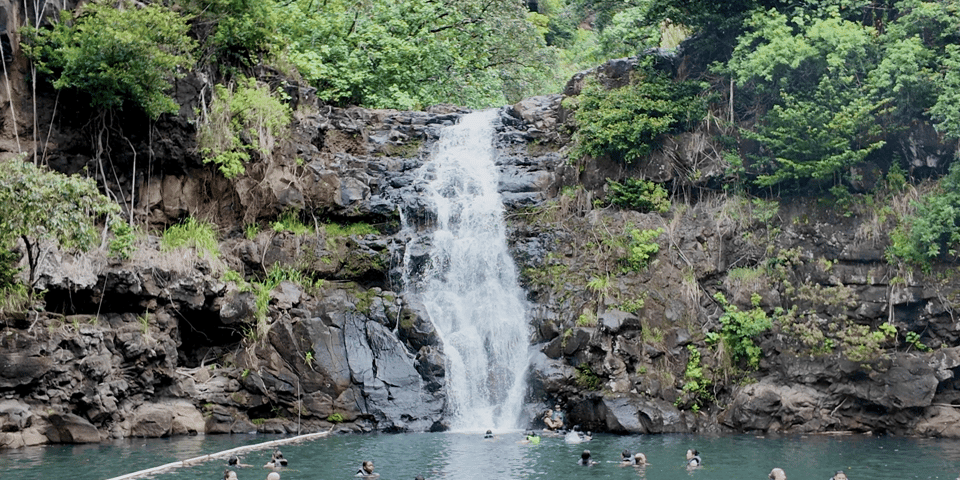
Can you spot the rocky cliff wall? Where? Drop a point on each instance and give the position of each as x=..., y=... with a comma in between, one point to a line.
x=167, y=344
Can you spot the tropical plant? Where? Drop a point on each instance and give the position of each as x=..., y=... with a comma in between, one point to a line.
x=40, y=204
x=740, y=328
x=117, y=53
x=694, y=380
x=641, y=247
x=933, y=230
x=626, y=123
x=639, y=194
x=244, y=118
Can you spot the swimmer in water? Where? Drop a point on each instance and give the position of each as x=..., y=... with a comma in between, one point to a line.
x=693, y=459
x=273, y=476
x=531, y=438
x=839, y=476
x=777, y=474
x=488, y=435
x=626, y=458
x=640, y=460
x=366, y=470
x=229, y=475
x=278, y=458
x=234, y=461
x=585, y=459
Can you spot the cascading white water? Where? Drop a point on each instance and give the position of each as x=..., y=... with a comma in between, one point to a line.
x=469, y=288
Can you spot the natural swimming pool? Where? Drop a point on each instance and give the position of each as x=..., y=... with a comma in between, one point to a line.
x=469, y=456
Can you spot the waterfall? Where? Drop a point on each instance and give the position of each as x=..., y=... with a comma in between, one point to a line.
x=469, y=285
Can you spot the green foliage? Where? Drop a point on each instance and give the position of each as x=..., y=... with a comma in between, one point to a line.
x=243, y=119
x=625, y=123
x=913, y=340
x=694, y=380
x=14, y=297
x=40, y=204
x=586, y=378
x=115, y=53
x=588, y=319
x=335, y=417
x=289, y=221
x=632, y=306
x=251, y=230
x=335, y=230
x=630, y=31
x=191, y=233
x=600, y=285
x=144, y=321
x=410, y=54
x=933, y=230
x=860, y=344
x=739, y=329
x=121, y=246
x=642, y=246
x=639, y=194
x=238, y=32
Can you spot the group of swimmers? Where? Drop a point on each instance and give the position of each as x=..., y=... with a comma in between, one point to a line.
x=627, y=458
x=638, y=459
x=277, y=461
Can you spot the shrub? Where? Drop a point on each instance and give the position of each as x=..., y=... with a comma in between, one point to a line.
x=243, y=119
x=639, y=194
x=694, y=380
x=586, y=377
x=739, y=328
x=934, y=229
x=115, y=54
x=625, y=123
x=642, y=246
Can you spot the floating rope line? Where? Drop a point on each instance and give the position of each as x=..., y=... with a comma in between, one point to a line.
x=225, y=453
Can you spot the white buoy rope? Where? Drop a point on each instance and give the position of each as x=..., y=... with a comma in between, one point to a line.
x=225, y=453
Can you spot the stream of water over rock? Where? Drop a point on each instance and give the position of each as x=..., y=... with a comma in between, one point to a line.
x=469, y=287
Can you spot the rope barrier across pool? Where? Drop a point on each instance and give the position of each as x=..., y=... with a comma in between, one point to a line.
x=225, y=453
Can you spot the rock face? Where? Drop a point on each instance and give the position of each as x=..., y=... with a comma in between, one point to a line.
x=179, y=343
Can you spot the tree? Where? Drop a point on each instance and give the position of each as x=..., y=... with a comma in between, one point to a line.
x=40, y=204
x=810, y=67
x=409, y=54
x=117, y=54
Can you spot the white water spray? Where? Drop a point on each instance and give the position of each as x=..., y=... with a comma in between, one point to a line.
x=469, y=288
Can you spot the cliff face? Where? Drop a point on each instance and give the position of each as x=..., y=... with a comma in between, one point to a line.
x=163, y=344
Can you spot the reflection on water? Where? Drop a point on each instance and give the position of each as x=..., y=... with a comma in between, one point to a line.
x=462, y=456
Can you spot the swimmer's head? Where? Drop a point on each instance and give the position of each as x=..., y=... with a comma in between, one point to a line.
x=233, y=460
x=625, y=454
x=585, y=455
x=273, y=476
x=777, y=474
x=640, y=458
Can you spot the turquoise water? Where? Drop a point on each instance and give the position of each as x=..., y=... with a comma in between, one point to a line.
x=469, y=456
